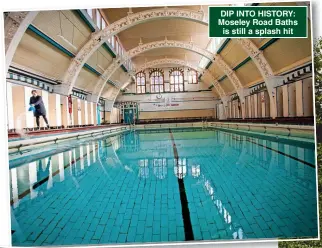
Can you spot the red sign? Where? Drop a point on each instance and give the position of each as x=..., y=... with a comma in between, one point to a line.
x=70, y=104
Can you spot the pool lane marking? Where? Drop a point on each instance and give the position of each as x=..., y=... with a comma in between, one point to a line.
x=274, y=150
x=287, y=155
x=183, y=197
x=42, y=181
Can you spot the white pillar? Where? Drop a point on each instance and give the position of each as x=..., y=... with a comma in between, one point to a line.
x=79, y=112
x=249, y=103
x=58, y=110
x=29, y=114
x=255, y=105
x=299, y=98
x=92, y=113
x=70, y=117
x=86, y=113
x=44, y=95
x=285, y=101
x=292, y=99
x=271, y=83
x=11, y=122
x=242, y=93
x=262, y=95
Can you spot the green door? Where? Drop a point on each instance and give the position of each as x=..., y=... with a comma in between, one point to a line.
x=128, y=116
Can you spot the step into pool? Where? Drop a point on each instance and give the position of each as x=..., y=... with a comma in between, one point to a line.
x=167, y=185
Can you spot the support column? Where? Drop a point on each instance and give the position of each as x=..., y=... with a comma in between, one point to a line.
x=90, y=113
x=225, y=100
x=249, y=103
x=75, y=111
x=82, y=105
x=52, y=117
x=94, y=110
x=255, y=105
x=259, y=105
x=285, y=101
x=262, y=99
x=79, y=112
x=86, y=112
x=279, y=101
x=271, y=83
x=242, y=93
x=46, y=103
x=267, y=103
x=299, y=98
x=308, y=97
x=30, y=122
x=292, y=99
x=64, y=111
x=230, y=110
x=58, y=110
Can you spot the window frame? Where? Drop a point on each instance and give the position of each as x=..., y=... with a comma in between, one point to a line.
x=140, y=74
x=152, y=85
x=176, y=73
x=192, y=76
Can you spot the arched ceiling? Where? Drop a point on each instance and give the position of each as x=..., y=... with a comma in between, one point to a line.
x=37, y=54
x=173, y=29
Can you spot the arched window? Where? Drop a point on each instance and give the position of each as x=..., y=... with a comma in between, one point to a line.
x=192, y=77
x=156, y=81
x=140, y=82
x=176, y=80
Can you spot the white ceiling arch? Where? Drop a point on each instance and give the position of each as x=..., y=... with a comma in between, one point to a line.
x=97, y=39
x=141, y=49
x=15, y=26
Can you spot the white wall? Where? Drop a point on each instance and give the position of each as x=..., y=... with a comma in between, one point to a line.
x=10, y=106
x=172, y=101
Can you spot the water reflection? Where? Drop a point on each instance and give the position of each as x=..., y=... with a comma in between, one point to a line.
x=32, y=180
x=215, y=165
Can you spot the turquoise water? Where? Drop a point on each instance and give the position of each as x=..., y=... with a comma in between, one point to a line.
x=166, y=185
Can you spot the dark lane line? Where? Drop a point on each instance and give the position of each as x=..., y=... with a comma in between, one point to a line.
x=274, y=150
x=287, y=155
x=183, y=197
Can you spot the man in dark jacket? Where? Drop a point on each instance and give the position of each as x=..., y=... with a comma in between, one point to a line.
x=40, y=109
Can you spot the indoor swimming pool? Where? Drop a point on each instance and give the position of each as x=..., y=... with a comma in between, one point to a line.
x=167, y=185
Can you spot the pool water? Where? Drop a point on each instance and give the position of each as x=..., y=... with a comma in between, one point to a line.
x=167, y=185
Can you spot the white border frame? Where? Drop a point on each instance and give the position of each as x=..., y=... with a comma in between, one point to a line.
x=25, y=5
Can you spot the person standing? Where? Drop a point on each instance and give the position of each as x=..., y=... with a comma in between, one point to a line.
x=40, y=110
